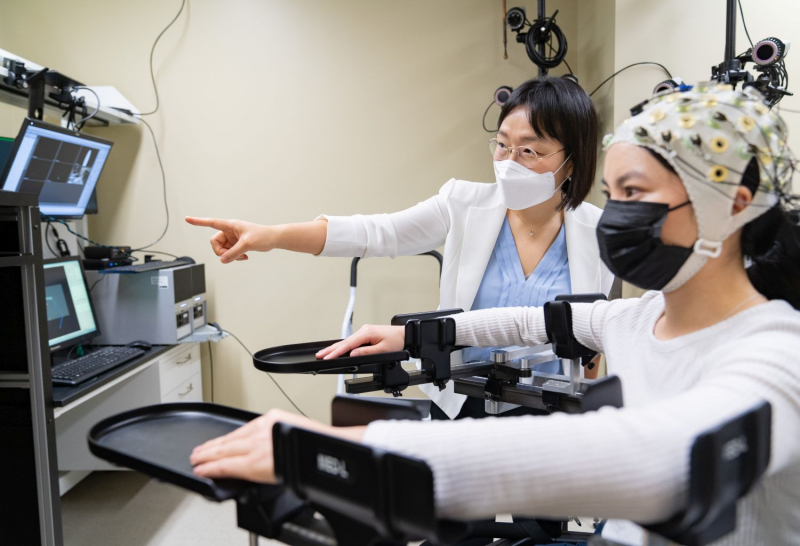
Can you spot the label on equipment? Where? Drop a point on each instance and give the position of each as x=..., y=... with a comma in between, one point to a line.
x=162, y=281
x=332, y=465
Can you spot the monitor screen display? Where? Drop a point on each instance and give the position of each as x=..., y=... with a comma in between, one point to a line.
x=6, y=145
x=70, y=316
x=61, y=166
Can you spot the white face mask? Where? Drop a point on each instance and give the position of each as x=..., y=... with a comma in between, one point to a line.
x=521, y=188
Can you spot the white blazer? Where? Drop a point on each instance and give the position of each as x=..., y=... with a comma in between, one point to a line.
x=466, y=218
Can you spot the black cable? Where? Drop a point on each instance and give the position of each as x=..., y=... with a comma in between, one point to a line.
x=78, y=235
x=69, y=354
x=61, y=244
x=98, y=281
x=626, y=68
x=568, y=67
x=550, y=60
x=152, y=50
x=268, y=374
x=82, y=122
x=47, y=240
x=164, y=188
x=744, y=24
x=211, y=369
x=483, y=121
x=156, y=252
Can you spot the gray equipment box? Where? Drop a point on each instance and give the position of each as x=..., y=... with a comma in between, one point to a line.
x=163, y=307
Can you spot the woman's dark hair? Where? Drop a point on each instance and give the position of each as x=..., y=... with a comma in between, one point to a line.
x=770, y=243
x=560, y=109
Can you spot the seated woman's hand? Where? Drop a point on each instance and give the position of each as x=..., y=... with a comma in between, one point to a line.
x=246, y=453
x=369, y=340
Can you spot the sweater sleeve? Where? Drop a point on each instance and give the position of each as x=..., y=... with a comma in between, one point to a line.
x=628, y=463
x=420, y=228
x=525, y=326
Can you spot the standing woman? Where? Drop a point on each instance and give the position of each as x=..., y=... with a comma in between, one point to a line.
x=519, y=242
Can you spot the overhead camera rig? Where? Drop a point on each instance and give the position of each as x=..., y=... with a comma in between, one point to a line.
x=39, y=84
x=767, y=56
x=545, y=43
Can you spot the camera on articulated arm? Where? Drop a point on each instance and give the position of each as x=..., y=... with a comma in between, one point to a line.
x=767, y=56
x=544, y=42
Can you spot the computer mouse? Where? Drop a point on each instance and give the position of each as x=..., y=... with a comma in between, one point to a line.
x=139, y=344
x=186, y=259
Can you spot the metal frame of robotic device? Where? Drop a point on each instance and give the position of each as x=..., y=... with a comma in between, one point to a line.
x=504, y=382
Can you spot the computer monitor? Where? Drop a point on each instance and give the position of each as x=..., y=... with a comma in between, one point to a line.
x=70, y=314
x=61, y=166
x=6, y=145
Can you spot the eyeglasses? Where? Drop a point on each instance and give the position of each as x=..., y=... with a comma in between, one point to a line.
x=525, y=156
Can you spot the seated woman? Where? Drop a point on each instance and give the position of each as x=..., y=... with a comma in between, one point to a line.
x=519, y=242
x=697, y=185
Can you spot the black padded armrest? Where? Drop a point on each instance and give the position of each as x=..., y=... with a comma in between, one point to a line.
x=400, y=320
x=558, y=325
x=726, y=462
x=358, y=489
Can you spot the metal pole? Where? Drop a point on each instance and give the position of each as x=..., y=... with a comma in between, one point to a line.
x=730, y=31
x=540, y=47
x=253, y=539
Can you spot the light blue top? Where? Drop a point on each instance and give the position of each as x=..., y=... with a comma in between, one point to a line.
x=504, y=285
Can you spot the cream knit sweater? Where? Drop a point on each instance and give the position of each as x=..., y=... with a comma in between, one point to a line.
x=629, y=463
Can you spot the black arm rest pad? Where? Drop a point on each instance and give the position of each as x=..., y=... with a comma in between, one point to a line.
x=400, y=320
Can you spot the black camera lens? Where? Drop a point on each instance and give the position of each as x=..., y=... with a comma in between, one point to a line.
x=502, y=95
x=515, y=18
x=667, y=85
x=768, y=51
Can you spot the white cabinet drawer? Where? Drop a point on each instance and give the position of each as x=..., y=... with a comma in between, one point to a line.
x=190, y=390
x=177, y=369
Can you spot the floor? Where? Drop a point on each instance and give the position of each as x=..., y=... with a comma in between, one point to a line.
x=129, y=509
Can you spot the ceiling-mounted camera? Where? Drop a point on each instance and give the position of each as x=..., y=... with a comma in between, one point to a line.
x=769, y=51
x=502, y=94
x=516, y=18
x=767, y=55
x=544, y=41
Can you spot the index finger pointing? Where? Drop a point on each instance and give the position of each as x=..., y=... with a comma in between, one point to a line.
x=215, y=223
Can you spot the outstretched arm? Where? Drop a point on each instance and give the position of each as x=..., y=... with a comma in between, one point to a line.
x=235, y=238
x=524, y=326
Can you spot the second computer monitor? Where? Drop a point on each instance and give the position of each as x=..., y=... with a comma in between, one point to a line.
x=59, y=165
x=70, y=314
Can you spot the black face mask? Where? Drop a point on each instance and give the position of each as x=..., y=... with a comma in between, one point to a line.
x=629, y=236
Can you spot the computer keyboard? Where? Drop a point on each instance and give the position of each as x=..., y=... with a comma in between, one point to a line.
x=84, y=368
x=147, y=266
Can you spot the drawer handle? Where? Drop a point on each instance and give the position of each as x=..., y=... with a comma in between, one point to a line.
x=190, y=389
x=185, y=360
